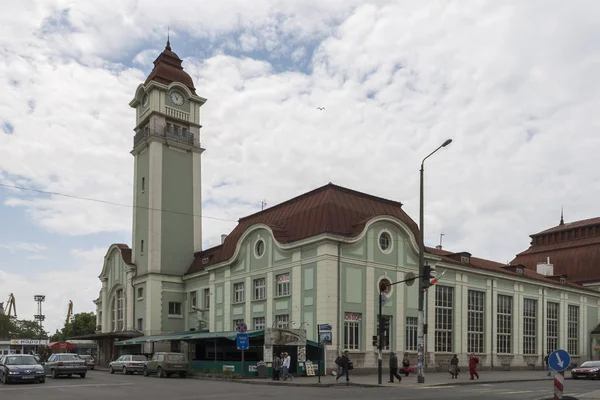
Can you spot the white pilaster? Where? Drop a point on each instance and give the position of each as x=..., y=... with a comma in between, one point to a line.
x=213, y=303
x=197, y=195
x=457, y=322
x=227, y=305
x=517, y=333
x=296, y=300
x=489, y=319
x=370, y=316
x=464, y=320
x=248, y=305
x=430, y=318
x=269, y=314
x=584, y=336
x=562, y=322
x=326, y=301
x=129, y=300
x=153, y=248
x=153, y=300
x=540, y=328
x=105, y=305
x=136, y=189
x=400, y=322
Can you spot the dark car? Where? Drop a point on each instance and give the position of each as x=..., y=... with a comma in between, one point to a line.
x=165, y=364
x=589, y=369
x=21, y=368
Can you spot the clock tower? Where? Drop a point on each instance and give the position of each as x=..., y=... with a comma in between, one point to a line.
x=167, y=215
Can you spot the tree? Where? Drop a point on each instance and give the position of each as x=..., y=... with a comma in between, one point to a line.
x=7, y=326
x=81, y=324
x=12, y=328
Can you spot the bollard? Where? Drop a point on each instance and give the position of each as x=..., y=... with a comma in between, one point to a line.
x=559, y=380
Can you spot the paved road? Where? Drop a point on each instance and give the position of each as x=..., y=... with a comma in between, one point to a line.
x=101, y=385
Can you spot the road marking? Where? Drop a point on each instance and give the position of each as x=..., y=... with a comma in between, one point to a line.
x=518, y=391
x=46, y=386
x=431, y=387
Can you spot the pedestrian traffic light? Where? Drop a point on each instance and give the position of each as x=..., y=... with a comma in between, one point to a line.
x=428, y=278
x=375, y=341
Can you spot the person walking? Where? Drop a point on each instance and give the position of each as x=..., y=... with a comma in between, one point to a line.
x=473, y=361
x=394, y=368
x=454, y=370
x=287, y=360
x=344, y=367
x=276, y=368
x=547, y=364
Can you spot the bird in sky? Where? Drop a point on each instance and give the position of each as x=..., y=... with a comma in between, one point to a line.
x=320, y=108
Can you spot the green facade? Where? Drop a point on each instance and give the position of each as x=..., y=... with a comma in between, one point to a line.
x=141, y=211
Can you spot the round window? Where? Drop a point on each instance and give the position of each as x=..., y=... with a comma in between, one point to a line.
x=385, y=241
x=259, y=248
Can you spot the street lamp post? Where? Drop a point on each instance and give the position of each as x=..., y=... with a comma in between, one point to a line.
x=420, y=324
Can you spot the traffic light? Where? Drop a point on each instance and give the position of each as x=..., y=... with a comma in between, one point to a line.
x=386, y=325
x=375, y=341
x=428, y=278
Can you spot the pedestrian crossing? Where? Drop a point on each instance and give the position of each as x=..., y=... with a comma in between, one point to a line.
x=500, y=391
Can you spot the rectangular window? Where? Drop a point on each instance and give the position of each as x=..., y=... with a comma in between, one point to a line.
x=475, y=321
x=174, y=308
x=193, y=301
x=259, y=323
x=120, y=309
x=444, y=314
x=573, y=330
x=282, y=321
x=387, y=333
x=260, y=289
x=411, y=333
x=283, y=285
x=142, y=247
x=529, y=326
x=206, y=299
x=140, y=324
x=504, y=338
x=236, y=322
x=140, y=293
x=352, y=331
x=552, y=326
x=238, y=292
x=143, y=184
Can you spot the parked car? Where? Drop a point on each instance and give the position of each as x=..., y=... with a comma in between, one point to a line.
x=65, y=364
x=164, y=364
x=589, y=369
x=90, y=363
x=20, y=367
x=128, y=364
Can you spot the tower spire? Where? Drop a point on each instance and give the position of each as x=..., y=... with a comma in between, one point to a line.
x=168, y=46
x=562, y=220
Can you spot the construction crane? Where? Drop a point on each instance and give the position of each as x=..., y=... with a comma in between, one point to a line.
x=11, y=308
x=69, y=312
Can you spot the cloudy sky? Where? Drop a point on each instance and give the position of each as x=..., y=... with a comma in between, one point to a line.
x=514, y=84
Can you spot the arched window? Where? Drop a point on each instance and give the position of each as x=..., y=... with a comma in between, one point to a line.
x=117, y=311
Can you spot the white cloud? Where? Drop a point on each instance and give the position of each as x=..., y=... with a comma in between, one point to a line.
x=519, y=99
x=15, y=247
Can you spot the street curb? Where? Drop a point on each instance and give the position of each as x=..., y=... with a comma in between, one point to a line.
x=291, y=383
x=491, y=382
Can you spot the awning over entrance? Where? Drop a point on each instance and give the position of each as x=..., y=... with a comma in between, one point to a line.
x=191, y=335
x=62, y=346
x=108, y=335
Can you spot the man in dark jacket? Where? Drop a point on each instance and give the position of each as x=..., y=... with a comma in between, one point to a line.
x=394, y=368
x=343, y=364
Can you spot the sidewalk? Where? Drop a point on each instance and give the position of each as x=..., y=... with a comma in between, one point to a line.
x=432, y=379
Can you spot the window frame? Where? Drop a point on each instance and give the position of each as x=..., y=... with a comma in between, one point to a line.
x=282, y=288
x=444, y=319
x=475, y=321
x=504, y=324
x=352, y=331
x=529, y=322
x=259, y=292
x=239, y=292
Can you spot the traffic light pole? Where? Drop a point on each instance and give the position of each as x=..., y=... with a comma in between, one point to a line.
x=420, y=321
x=382, y=287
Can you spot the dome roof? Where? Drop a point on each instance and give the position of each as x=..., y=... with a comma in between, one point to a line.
x=168, y=69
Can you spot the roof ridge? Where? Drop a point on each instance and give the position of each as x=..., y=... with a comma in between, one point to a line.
x=569, y=225
x=330, y=186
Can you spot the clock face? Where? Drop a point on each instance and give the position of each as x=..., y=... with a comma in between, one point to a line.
x=177, y=98
x=145, y=100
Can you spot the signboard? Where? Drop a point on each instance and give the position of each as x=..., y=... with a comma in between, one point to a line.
x=241, y=327
x=27, y=342
x=559, y=360
x=284, y=278
x=325, y=327
x=241, y=341
x=285, y=337
x=325, y=338
x=352, y=317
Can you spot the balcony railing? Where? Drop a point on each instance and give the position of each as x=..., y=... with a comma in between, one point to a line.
x=182, y=136
x=174, y=113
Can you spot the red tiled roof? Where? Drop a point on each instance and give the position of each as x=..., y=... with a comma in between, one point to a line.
x=168, y=69
x=328, y=209
x=493, y=266
x=573, y=250
x=570, y=225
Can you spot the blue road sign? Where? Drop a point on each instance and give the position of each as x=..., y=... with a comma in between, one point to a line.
x=325, y=327
x=241, y=340
x=559, y=360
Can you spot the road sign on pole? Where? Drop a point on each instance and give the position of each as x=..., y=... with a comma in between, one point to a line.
x=241, y=327
x=241, y=341
x=559, y=360
x=325, y=327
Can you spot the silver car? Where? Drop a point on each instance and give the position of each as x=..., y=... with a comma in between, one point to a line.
x=128, y=364
x=65, y=364
x=90, y=363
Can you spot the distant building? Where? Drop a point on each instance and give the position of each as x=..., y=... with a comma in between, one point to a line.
x=314, y=259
